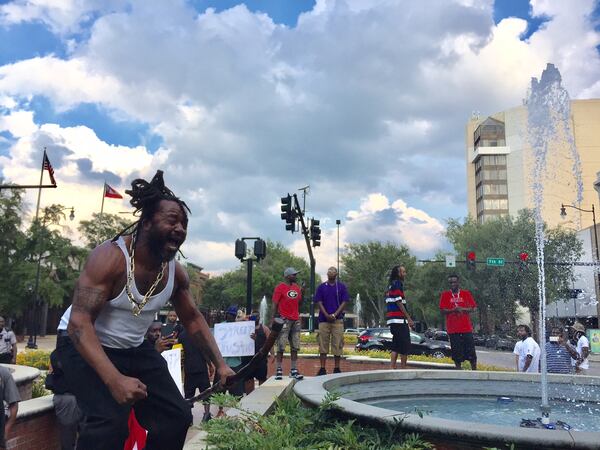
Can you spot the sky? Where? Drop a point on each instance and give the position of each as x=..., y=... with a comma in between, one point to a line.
x=365, y=101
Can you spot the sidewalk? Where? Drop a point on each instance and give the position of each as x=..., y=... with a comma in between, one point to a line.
x=46, y=343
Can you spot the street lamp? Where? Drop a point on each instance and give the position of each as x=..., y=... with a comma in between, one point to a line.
x=338, y=222
x=32, y=341
x=563, y=214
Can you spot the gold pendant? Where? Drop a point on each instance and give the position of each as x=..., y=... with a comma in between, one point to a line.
x=136, y=310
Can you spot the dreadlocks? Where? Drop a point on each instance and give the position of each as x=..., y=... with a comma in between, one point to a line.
x=145, y=198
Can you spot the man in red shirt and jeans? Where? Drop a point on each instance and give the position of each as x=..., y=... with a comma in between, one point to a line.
x=456, y=304
x=286, y=299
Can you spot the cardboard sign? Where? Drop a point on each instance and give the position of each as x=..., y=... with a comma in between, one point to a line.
x=233, y=338
x=173, y=358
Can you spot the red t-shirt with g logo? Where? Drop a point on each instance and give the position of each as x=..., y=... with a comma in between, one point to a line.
x=287, y=299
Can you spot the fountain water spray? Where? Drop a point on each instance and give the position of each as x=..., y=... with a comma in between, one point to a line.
x=549, y=118
x=357, y=310
x=263, y=309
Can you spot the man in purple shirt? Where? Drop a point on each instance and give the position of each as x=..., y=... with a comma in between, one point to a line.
x=331, y=297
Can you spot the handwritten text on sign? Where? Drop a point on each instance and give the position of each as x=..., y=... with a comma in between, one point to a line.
x=233, y=338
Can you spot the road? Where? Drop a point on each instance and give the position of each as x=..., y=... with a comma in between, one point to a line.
x=507, y=359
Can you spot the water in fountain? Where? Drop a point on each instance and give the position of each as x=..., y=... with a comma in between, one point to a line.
x=263, y=310
x=357, y=310
x=549, y=130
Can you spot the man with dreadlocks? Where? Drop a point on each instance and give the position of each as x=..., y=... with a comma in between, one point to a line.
x=124, y=283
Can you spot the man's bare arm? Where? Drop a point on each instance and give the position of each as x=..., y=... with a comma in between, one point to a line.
x=92, y=290
x=195, y=324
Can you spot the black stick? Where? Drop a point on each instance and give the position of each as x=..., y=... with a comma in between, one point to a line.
x=257, y=358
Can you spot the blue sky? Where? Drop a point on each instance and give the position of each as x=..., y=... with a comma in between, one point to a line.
x=366, y=101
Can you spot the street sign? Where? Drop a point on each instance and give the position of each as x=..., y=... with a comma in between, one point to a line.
x=450, y=261
x=497, y=262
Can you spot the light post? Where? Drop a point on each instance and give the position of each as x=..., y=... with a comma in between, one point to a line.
x=563, y=214
x=32, y=341
x=338, y=222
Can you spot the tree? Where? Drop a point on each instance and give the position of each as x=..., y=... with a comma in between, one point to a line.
x=15, y=268
x=498, y=289
x=230, y=288
x=366, y=271
x=101, y=228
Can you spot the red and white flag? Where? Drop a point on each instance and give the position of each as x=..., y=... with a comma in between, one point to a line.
x=47, y=166
x=110, y=192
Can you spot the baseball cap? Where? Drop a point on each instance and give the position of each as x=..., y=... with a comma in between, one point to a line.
x=577, y=326
x=233, y=310
x=290, y=271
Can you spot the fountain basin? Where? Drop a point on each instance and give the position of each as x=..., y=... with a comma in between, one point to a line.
x=360, y=391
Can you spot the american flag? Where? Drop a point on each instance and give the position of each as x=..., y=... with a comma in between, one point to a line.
x=47, y=166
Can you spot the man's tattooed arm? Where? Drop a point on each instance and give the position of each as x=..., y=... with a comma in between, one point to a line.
x=87, y=302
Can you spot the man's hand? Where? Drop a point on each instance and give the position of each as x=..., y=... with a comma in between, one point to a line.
x=127, y=390
x=163, y=344
x=223, y=372
x=330, y=318
x=411, y=324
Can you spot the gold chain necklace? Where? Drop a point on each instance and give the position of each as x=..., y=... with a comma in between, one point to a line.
x=136, y=307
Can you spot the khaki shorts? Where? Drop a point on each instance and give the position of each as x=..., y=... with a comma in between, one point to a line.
x=289, y=333
x=331, y=333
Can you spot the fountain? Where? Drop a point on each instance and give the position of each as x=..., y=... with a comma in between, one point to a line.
x=357, y=310
x=262, y=309
x=460, y=408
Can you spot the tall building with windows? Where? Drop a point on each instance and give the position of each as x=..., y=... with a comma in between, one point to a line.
x=499, y=166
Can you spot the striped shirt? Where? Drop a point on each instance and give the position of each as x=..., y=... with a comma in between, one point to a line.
x=558, y=359
x=394, y=294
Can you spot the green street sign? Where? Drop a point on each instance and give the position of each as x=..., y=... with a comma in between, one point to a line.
x=497, y=262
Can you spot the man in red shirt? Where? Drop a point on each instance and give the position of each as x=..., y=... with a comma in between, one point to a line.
x=456, y=304
x=286, y=300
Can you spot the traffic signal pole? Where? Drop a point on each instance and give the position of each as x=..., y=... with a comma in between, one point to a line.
x=305, y=233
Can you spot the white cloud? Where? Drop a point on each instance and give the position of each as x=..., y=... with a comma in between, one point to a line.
x=361, y=97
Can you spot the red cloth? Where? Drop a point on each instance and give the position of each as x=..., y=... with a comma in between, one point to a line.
x=137, y=434
x=457, y=322
x=287, y=299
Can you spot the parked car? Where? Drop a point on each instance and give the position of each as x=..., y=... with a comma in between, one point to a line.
x=355, y=331
x=440, y=335
x=480, y=339
x=381, y=338
x=501, y=342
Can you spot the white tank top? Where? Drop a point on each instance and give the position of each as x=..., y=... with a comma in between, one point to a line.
x=116, y=326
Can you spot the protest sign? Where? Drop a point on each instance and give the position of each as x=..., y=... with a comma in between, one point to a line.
x=233, y=338
x=173, y=358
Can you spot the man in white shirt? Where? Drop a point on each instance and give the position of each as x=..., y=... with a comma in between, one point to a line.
x=528, y=351
x=583, y=349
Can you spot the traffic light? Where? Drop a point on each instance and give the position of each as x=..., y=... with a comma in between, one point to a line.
x=287, y=213
x=240, y=249
x=470, y=260
x=260, y=249
x=315, y=232
x=523, y=260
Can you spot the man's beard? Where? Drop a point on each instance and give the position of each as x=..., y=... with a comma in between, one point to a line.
x=157, y=244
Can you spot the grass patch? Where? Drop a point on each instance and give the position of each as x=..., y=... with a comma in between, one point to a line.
x=293, y=426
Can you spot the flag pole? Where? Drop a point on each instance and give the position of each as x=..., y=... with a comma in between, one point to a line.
x=103, y=194
x=37, y=208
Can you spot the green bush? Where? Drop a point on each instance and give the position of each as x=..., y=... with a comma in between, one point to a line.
x=40, y=359
x=39, y=388
x=311, y=338
x=293, y=426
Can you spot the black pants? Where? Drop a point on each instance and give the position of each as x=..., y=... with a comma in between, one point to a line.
x=193, y=381
x=6, y=358
x=164, y=413
x=462, y=346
